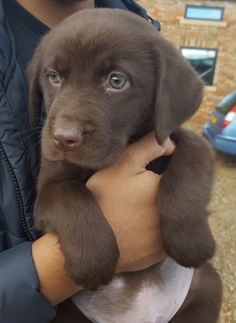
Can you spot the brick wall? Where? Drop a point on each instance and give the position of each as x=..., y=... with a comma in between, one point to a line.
x=220, y=35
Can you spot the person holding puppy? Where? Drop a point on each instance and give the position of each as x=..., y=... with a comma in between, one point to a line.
x=32, y=276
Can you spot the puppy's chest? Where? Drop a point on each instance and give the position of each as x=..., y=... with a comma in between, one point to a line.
x=160, y=294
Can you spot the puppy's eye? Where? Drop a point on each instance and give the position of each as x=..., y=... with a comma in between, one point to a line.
x=117, y=81
x=54, y=78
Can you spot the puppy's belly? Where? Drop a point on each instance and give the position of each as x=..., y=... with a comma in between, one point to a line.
x=152, y=302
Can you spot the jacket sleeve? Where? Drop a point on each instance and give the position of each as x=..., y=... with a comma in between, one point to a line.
x=20, y=299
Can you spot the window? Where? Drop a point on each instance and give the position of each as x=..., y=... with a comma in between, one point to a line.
x=204, y=13
x=203, y=60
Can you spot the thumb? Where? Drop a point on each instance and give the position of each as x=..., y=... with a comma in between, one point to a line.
x=139, y=154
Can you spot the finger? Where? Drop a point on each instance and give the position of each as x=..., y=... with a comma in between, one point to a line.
x=139, y=154
x=169, y=146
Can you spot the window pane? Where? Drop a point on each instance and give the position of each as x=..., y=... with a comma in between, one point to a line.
x=203, y=61
x=205, y=13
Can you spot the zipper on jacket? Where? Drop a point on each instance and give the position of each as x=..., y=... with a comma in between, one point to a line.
x=27, y=232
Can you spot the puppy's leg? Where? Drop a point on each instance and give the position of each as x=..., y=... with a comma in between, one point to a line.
x=68, y=209
x=203, y=302
x=184, y=194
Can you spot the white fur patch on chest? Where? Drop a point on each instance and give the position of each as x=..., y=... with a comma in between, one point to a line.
x=153, y=303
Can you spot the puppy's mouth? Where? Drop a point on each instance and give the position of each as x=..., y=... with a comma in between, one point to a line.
x=93, y=152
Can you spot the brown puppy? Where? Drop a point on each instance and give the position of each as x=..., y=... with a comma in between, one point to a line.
x=107, y=78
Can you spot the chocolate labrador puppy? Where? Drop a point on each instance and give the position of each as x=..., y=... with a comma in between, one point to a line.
x=107, y=78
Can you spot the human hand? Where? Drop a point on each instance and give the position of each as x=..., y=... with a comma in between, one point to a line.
x=127, y=195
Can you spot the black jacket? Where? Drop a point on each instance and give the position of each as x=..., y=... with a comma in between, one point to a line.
x=20, y=299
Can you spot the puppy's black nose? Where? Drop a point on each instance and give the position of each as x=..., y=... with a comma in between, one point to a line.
x=67, y=139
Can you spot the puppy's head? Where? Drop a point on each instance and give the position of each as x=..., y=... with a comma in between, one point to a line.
x=105, y=75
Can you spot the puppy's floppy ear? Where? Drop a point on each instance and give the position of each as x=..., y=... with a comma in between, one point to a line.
x=178, y=91
x=34, y=94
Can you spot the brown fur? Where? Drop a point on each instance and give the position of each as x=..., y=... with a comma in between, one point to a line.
x=162, y=92
x=203, y=301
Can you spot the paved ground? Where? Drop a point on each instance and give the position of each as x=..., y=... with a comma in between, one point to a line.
x=223, y=224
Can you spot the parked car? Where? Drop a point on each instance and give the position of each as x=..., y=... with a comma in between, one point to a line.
x=220, y=130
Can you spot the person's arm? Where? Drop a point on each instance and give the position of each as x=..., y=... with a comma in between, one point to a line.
x=126, y=193
x=49, y=263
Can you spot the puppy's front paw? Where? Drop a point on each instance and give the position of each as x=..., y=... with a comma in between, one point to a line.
x=189, y=248
x=91, y=263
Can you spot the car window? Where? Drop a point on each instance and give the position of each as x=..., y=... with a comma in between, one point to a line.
x=227, y=103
